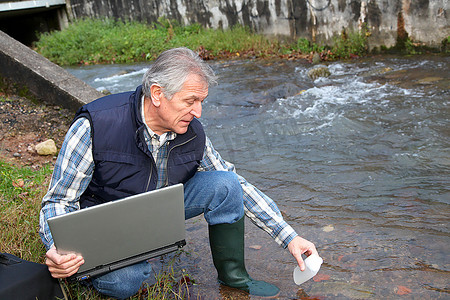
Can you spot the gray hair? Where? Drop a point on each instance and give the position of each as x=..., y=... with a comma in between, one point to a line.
x=171, y=69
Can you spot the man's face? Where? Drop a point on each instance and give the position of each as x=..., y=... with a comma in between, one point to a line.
x=176, y=113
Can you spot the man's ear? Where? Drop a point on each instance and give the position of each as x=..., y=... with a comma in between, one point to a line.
x=156, y=94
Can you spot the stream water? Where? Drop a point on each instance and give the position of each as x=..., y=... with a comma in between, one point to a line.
x=357, y=162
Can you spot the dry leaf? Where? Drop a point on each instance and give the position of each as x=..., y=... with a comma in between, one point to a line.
x=321, y=277
x=19, y=183
x=256, y=247
x=403, y=290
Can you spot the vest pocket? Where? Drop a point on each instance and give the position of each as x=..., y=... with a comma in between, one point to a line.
x=121, y=172
x=186, y=157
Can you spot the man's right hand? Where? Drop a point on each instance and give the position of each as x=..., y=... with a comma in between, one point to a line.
x=62, y=266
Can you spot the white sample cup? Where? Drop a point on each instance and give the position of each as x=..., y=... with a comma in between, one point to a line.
x=312, y=263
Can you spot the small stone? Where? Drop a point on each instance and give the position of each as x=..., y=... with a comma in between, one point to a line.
x=46, y=148
x=319, y=71
x=328, y=228
x=105, y=91
x=17, y=154
x=316, y=58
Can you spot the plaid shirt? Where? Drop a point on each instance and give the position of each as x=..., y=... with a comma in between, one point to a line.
x=75, y=165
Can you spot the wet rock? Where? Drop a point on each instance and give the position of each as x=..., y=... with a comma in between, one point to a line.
x=403, y=290
x=104, y=91
x=319, y=71
x=316, y=58
x=321, y=277
x=121, y=73
x=46, y=148
x=377, y=72
x=281, y=91
x=328, y=228
x=343, y=289
x=284, y=91
x=429, y=80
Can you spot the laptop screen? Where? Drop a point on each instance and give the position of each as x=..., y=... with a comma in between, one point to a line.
x=128, y=228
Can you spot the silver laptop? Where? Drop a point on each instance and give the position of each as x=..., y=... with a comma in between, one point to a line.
x=123, y=232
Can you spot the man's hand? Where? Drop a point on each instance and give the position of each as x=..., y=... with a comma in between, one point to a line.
x=62, y=266
x=299, y=246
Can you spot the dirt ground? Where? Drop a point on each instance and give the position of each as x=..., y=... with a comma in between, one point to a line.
x=24, y=124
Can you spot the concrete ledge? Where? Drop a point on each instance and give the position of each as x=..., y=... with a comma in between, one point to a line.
x=45, y=80
x=10, y=7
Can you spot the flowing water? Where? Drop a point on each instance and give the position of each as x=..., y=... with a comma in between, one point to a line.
x=358, y=164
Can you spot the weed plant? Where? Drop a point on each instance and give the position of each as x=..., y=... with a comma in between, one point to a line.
x=106, y=40
x=305, y=46
x=348, y=44
x=92, y=41
x=168, y=283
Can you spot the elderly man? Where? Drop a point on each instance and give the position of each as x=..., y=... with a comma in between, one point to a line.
x=129, y=143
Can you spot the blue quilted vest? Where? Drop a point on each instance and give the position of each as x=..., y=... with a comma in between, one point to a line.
x=124, y=165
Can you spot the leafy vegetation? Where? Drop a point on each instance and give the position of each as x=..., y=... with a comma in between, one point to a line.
x=106, y=40
x=349, y=44
x=445, y=45
x=92, y=41
x=21, y=191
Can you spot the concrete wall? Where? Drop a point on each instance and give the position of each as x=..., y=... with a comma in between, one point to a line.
x=45, y=80
x=317, y=20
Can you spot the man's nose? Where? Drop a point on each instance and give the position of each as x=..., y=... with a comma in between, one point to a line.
x=197, y=109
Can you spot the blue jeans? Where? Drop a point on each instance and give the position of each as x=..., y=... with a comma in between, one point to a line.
x=216, y=194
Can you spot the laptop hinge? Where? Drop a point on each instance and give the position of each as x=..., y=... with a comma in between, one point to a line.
x=126, y=262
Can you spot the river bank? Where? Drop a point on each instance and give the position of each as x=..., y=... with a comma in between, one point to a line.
x=105, y=41
x=25, y=124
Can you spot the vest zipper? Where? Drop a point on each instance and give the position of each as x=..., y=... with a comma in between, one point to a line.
x=150, y=177
x=151, y=165
x=168, y=153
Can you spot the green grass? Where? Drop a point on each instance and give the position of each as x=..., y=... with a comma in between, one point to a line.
x=21, y=191
x=93, y=41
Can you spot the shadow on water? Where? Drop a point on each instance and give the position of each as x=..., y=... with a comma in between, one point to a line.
x=358, y=163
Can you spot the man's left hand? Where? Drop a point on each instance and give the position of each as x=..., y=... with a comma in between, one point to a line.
x=299, y=246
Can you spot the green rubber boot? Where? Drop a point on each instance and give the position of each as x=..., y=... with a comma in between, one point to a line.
x=227, y=248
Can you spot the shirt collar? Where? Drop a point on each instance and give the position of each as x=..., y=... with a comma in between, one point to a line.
x=167, y=136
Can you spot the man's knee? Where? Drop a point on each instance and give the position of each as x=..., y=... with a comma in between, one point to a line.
x=217, y=194
x=227, y=183
x=228, y=206
x=123, y=283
